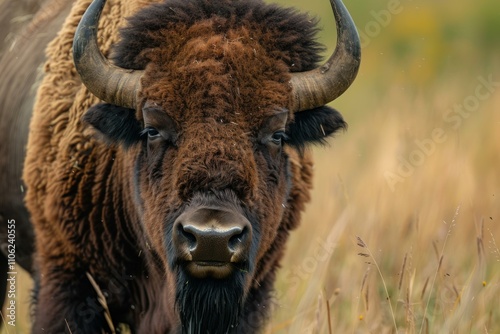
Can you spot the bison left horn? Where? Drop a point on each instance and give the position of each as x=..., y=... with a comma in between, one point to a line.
x=108, y=82
x=324, y=84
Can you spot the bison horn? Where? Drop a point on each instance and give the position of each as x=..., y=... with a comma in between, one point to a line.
x=324, y=84
x=108, y=82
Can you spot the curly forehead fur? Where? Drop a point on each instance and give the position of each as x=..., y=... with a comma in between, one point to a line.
x=225, y=60
x=161, y=30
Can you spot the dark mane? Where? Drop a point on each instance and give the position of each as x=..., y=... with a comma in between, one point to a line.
x=288, y=35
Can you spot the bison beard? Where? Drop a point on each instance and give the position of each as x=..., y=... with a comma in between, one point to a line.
x=212, y=305
x=209, y=305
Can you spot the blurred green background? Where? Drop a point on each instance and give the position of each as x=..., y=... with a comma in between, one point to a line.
x=417, y=43
x=445, y=33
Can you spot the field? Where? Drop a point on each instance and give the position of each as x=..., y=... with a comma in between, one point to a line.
x=402, y=234
x=402, y=231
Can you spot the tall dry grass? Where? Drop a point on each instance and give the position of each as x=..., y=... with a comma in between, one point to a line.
x=420, y=255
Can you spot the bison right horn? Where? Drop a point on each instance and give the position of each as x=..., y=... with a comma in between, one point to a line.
x=324, y=84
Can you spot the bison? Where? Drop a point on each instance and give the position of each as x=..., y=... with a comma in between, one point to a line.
x=167, y=160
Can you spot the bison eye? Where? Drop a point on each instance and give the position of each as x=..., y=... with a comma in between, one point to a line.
x=151, y=132
x=279, y=137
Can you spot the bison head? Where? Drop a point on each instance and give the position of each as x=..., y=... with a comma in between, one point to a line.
x=209, y=99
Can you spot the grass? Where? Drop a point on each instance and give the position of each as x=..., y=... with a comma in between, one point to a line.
x=420, y=255
x=23, y=288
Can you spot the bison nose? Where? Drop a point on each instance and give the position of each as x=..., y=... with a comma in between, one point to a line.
x=213, y=244
x=212, y=241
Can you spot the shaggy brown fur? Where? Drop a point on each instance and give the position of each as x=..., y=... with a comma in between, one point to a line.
x=219, y=70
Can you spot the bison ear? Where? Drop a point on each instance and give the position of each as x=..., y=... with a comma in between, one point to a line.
x=115, y=124
x=314, y=126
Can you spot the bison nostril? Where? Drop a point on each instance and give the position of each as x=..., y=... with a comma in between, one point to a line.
x=238, y=239
x=185, y=233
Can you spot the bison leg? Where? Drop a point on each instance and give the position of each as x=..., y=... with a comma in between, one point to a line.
x=68, y=304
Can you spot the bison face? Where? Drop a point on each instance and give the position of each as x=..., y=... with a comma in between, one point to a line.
x=209, y=118
x=212, y=187
x=213, y=199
